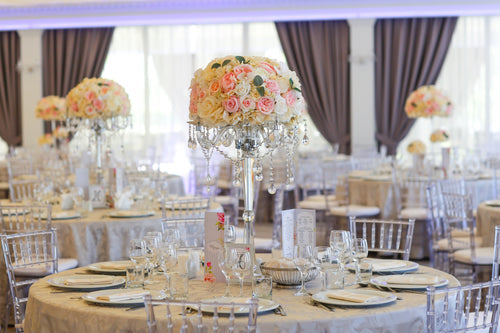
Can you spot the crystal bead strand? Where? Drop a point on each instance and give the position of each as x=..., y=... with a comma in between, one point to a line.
x=272, y=187
x=305, y=139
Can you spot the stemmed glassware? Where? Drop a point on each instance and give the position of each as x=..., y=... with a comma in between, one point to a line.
x=241, y=260
x=137, y=251
x=168, y=257
x=226, y=263
x=323, y=259
x=360, y=251
x=151, y=254
x=172, y=236
x=341, y=244
x=302, y=259
x=229, y=234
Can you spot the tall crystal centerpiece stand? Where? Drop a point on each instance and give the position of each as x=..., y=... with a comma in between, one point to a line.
x=253, y=104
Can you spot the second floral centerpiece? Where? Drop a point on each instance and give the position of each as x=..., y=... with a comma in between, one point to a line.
x=254, y=104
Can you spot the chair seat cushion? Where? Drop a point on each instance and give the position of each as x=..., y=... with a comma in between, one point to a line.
x=42, y=270
x=316, y=204
x=461, y=232
x=484, y=256
x=459, y=243
x=226, y=200
x=355, y=210
x=320, y=197
x=418, y=213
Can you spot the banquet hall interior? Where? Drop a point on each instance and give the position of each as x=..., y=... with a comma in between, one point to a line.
x=163, y=162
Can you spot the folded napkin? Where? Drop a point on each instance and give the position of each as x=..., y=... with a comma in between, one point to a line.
x=387, y=264
x=352, y=297
x=93, y=280
x=419, y=279
x=123, y=296
x=116, y=266
x=124, y=201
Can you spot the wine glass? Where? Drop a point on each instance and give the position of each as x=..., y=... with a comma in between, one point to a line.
x=241, y=262
x=323, y=259
x=226, y=264
x=168, y=257
x=302, y=259
x=359, y=251
x=137, y=251
x=172, y=236
x=341, y=242
x=229, y=234
x=151, y=254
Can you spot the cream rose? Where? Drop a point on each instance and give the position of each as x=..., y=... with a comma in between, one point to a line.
x=242, y=88
x=247, y=104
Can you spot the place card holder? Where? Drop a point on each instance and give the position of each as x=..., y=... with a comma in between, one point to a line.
x=214, y=244
x=298, y=227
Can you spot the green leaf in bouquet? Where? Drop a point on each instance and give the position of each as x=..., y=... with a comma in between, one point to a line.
x=257, y=80
x=215, y=66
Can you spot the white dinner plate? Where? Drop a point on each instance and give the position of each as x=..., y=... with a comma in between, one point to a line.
x=264, y=305
x=382, y=298
x=406, y=266
x=381, y=281
x=60, y=215
x=14, y=213
x=59, y=282
x=131, y=213
x=493, y=203
x=97, y=267
x=92, y=297
x=191, y=205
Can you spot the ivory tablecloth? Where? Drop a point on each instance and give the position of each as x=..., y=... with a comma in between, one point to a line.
x=50, y=312
x=487, y=218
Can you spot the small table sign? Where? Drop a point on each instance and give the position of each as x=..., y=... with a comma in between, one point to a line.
x=97, y=196
x=298, y=227
x=214, y=244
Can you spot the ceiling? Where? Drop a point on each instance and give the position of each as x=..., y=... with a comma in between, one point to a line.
x=40, y=14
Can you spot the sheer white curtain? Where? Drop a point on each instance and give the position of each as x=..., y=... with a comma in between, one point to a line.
x=471, y=78
x=155, y=65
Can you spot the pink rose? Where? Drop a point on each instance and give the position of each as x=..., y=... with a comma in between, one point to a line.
x=248, y=104
x=231, y=104
x=104, y=90
x=89, y=110
x=265, y=105
x=290, y=98
x=74, y=106
x=214, y=87
x=268, y=67
x=98, y=104
x=273, y=86
x=245, y=68
x=90, y=95
x=201, y=94
x=228, y=82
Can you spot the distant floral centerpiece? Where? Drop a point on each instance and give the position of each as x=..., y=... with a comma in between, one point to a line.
x=416, y=147
x=428, y=101
x=439, y=135
x=51, y=108
x=98, y=98
x=46, y=139
x=253, y=90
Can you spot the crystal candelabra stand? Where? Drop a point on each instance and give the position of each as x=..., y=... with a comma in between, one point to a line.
x=252, y=143
x=98, y=126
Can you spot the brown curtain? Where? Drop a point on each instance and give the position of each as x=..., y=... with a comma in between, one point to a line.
x=409, y=53
x=10, y=88
x=70, y=55
x=318, y=52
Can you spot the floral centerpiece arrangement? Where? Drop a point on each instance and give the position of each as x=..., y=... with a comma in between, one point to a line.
x=254, y=104
x=51, y=108
x=251, y=90
x=440, y=135
x=416, y=147
x=98, y=98
x=46, y=139
x=428, y=101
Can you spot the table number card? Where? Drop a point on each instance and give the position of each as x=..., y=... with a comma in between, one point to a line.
x=214, y=243
x=97, y=196
x=296, y=228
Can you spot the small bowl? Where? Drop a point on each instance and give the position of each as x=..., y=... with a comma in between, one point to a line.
x=288, y=276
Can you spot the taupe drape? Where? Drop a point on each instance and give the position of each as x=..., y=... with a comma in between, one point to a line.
x=410, y=53
x=70, y=55
x=10, y=88
x=318, y=52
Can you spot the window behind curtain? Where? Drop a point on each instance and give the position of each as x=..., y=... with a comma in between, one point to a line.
x=471, y=78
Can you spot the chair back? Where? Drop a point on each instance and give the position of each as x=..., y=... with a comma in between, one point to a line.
x=195, y=323
x=384, y=235
x=191, y=231
x=19, y=219
x=184, y=208
x=335, y=180
x=495, y=273
x=464, y=309
x=435, y=225
x=18, y=166
x=28, y=257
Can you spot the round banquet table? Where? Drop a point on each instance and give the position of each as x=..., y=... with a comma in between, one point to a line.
x=51, y=311
x=487, y=217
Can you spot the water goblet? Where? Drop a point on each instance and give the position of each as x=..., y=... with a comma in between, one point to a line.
x=323, y=259
x=302, y=259
x=137, y=251
x=172, y=236
x=168, y=257
x=151, y=254
x=341, y=244
x=360, y=251
x=241, y=260
x=229, y=234
x=226, y=264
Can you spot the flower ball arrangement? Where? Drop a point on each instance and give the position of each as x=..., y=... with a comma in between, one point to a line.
x=253, y=90
x=97, y=98
x=428, y=101
x=439, y=135
x=51, y=108
x=416, y=147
